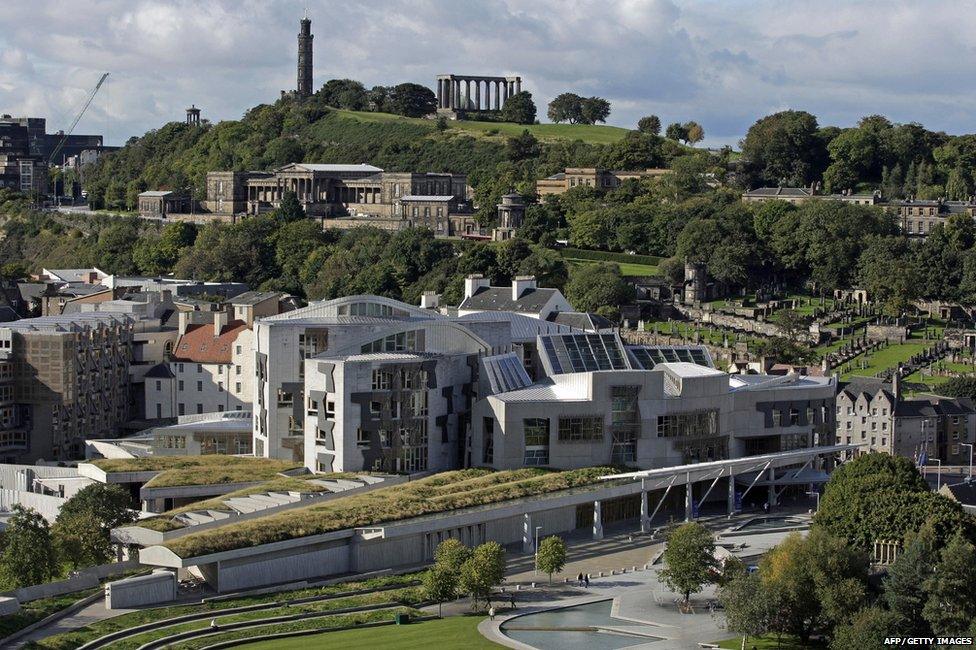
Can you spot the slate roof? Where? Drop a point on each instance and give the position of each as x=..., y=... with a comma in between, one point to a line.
x=500, y=299
x=427, y=198
x=253, y=297
x=780, y=191
x=199, y=345
x=329, y=167
x=964, y=492
x=160, y=371
x=581, y=320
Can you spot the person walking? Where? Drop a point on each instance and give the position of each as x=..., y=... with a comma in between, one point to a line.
x=586, y=581
x=491, y=613
x=512, y=598
x=579, y=579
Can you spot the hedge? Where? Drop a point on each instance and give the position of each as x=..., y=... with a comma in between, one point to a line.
x=607, y=256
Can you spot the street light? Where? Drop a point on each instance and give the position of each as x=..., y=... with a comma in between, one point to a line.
x=815, y=494
x=537, y=529
x=970, y=445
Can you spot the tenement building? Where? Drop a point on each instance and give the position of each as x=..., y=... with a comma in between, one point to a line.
x=591, y=177
x=64, y=379
x=875, y=416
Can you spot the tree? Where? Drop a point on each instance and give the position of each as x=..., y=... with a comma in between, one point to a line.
x=785, y=147
x=676, y=132
x=551, y=556
x=519, y=108
x=951, y=604
x=82, y=532
x=593, y=110
x=411, y=100
x=566, y=107
x=813, y=582
x=440, y=583
x=790, y=322
x=452, y=553
x=522, y=146
x=694, y=133
x=598, y=288
x=959, y=387
x=649, y=124
x=344, y=93
x=869, y=628
x=689, y=559
x=290, y=209
x=483, y=571
x=28, y=556
x=747, y=607
x=902, y=591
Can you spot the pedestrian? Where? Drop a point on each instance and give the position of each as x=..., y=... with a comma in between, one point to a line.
x=491, y=613
x=579, y=579
x=766, y=508
x=213, y=624
x=512, y=598
x=586, y=581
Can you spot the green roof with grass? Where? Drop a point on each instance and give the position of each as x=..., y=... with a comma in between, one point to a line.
x=213, y=469
x=435, y=494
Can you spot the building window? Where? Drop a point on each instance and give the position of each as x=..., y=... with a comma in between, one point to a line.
x=199, y=367
x=159, y=385
x=362, y=438
x=237, y=387
x=488, y=442
x=382, y=379
x=179, y=384
x=199, y=408
x=581, y=428
x=285, y=398
x=688, y=425
x=199, y=386
x=181, y=408
x=794, y=417
x=330, y=410
x=375, y=408
x=536, y=431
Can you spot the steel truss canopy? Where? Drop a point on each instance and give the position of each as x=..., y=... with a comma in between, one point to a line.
x=754, y=466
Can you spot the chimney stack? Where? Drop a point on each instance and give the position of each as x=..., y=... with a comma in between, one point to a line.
x=521, y=284
x=896, y=383
x=474, y=283
x=221, y=318
x=430, y=300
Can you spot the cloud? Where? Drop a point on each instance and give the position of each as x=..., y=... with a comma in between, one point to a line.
x=723, y=63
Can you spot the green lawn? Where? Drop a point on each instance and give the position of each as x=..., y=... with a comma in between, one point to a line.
x=592, y=134
x=768, y=642
x=642, y=270
x=37, y=610
x=888, y=357
x=454, y=633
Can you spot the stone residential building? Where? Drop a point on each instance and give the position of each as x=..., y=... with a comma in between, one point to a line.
x=591, y=177
x=66, y=379
x=876, y=416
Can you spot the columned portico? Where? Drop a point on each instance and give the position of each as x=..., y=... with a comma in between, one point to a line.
x=454, y=92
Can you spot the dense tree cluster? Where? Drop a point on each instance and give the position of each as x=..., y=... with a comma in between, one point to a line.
x=790, y=148
x=818, y=585
x=570, y=107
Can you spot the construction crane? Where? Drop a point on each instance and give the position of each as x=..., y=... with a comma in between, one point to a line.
x=64, y=138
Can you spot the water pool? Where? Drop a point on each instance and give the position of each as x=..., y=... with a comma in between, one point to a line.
x=581, y=627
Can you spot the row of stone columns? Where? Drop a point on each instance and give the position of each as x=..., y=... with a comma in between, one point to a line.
x=455, y=93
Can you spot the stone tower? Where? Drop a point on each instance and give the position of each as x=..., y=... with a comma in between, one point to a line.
x=304, y=88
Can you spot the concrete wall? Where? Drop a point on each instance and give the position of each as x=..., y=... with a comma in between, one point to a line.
x=158, y=587
x=47, y=506
x=84, y=579
x=326, y=558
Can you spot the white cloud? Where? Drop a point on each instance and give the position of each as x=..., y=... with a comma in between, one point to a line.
x=723, y=63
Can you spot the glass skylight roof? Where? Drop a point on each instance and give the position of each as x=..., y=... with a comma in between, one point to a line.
x=583, y=352
x=648, y=356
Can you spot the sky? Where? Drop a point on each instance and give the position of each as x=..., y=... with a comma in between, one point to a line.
x=722, y=63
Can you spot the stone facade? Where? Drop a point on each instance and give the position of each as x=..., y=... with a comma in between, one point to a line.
x=591, y=177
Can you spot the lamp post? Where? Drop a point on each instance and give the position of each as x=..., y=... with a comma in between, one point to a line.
x=970, y=445
x=537, y=529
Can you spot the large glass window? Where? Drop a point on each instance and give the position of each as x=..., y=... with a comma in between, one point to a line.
x=581, y=428
x=488, y=442
x=536, y=432
x=402, y=342
x=624, y=423
x=696, y=424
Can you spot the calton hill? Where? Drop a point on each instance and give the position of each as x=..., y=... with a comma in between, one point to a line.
x=794, y=265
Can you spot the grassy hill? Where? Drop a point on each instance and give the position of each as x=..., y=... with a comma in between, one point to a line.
x=591, y=134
